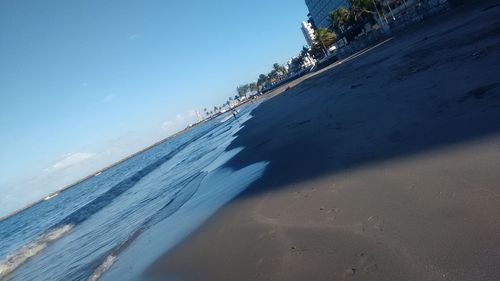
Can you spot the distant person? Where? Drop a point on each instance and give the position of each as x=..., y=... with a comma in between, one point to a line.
x=235, y=115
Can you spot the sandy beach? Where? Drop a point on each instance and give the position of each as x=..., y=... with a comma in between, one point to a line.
x=385, y=166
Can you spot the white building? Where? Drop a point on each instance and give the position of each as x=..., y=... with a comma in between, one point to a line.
x=308, y=32
x=308, y=62
x=293, y=67
x=198, y=116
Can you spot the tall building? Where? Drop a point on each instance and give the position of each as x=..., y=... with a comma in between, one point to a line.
x=319, y=10
x=198, y=115
x=308, y=31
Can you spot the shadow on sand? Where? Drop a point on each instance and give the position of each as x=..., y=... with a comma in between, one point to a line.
x=433, y=88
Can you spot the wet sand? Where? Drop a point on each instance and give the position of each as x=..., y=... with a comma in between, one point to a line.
x=383, y=167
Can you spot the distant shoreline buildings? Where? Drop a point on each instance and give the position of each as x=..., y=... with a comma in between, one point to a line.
x=332, y=33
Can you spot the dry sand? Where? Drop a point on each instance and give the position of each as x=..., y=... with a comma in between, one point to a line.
x=384, y=167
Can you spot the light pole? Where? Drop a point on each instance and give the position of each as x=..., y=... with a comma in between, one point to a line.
x=378, y=13
x=392, y=14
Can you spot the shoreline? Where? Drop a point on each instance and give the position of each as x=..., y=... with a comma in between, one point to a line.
x=382, y=167
x=99, y=171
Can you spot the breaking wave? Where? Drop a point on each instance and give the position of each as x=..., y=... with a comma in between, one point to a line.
x=20, y=256
x=108, y=262
x=190, y=186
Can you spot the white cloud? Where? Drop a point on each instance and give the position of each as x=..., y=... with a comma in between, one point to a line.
x=108, y=98
x=168, y=125
x=135, y=36
x=70, y=160
x=179, y=121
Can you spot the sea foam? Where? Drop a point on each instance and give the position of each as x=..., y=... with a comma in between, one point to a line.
x=103, y=267
x=21, y=255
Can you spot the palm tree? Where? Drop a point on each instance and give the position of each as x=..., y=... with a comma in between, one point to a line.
x=262, y=80
x=341, y=18
x=253, y=87
x=302, y=56
x=243, y=89
x=276, y=71
x=305, y=50
x=362, y=8
x=273, y=76
x=324, y=38
x=280, y=70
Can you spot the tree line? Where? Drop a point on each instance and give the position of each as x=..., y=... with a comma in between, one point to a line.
x=349, y=22
x=277, y=73
x=345, y=23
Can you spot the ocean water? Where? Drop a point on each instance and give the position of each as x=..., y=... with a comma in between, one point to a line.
x=115, y=224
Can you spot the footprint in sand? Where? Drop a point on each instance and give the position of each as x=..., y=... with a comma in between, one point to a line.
x=297, y=251
x=300, y=195
x=333, y=189
x=374, y=222
x=330, y=213
x=304, y=193
x=364, y=264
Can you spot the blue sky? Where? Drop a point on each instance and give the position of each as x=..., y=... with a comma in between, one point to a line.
x=85, y=83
